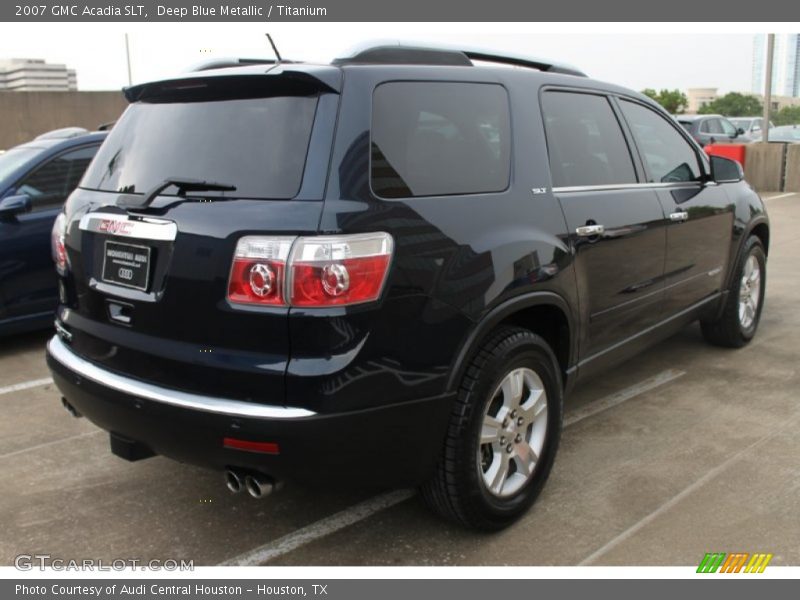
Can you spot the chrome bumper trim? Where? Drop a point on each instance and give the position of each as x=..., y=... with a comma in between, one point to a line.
x=224, y=406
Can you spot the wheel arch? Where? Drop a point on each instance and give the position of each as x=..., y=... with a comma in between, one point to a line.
x=758, y=227
x=546, y=314
x=761, y=231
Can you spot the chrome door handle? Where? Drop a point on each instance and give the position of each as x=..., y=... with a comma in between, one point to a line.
x=679, y=217
x=590, y=230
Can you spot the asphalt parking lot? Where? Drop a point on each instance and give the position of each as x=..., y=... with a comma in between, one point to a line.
x=685, y=450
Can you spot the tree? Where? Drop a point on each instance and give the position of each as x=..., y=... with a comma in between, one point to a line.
x=788, y=115
x=734, y=104
x=673, y=101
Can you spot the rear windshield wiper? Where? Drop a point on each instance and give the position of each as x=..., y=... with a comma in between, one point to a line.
x=129, y=201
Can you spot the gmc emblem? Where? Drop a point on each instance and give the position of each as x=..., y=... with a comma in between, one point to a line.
x=115, y=227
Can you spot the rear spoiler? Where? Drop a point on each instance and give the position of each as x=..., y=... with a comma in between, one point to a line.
x=239, y=83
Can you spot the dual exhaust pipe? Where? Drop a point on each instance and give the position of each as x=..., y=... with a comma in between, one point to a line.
x=257, y=485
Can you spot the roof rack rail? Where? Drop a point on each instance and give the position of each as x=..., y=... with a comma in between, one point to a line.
x=224, y=63
x=394, y=52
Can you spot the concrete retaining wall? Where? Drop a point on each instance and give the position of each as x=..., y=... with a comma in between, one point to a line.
x=764, y=166
x=24, y=115
x=792, y=183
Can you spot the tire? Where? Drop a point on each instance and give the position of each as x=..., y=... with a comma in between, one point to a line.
x=734, y=328
x=464, y=487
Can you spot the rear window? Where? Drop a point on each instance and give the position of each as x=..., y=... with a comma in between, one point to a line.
x=258, y=145
x=437, y=138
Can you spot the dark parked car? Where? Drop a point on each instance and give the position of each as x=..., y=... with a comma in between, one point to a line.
x=786, y=134
x=389, y=270
x=35, y=180
x=712, y=129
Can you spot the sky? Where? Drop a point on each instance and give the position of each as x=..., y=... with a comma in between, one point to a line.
x=635, y=60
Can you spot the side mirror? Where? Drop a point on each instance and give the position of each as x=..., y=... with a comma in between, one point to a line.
x=725, y=170
x=12, y=206
x=740, y=131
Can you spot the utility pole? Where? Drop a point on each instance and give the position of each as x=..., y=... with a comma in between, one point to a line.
x=128, y=58
x=768, y=87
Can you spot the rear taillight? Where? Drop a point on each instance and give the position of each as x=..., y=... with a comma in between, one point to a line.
x=319, y=271
x=259, y=270
x=57, y=244
x=338, y=270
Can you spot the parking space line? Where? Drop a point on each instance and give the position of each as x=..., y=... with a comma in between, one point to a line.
x=622, y=396
x=781, y=196
x=371, y=506
x=319, y=529
x=51, y=443
x=639, y=525
x=25, y=385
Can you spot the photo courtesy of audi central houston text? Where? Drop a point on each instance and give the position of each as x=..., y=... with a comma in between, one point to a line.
x=371, y=276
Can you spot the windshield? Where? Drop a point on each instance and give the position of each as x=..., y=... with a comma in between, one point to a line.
x=13, y=159
x=257, y=145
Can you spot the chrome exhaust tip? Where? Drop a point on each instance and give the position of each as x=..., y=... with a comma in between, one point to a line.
x=259, y=486
x=234, y=481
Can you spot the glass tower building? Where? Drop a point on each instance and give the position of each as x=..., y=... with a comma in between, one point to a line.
x=785, y=66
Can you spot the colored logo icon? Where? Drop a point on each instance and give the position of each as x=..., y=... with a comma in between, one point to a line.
x=737, y=562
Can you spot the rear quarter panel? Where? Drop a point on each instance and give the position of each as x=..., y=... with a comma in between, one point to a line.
x=456, y=257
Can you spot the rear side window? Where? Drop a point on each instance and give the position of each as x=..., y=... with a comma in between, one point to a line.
x=584, y=141
x=667, y=154
x=437, y=138
x=711, y=126
x=258, y=145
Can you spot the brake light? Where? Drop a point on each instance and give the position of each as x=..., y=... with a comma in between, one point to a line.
x=258, y=271
x=58, y=244
x=339, y=270
x=314, y=271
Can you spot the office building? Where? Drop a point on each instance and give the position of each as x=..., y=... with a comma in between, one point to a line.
x=35, y=75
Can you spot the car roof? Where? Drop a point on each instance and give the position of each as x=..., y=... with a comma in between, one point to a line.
x=57, y=144
x=688, y=118
x=332, y=75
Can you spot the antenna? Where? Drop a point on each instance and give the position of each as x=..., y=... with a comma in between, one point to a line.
x=274, y=48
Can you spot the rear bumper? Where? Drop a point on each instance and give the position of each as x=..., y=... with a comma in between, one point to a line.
x=387, y=446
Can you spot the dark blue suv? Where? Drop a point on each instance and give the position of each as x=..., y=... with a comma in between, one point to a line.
x=389, y=270
x=35, y=180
